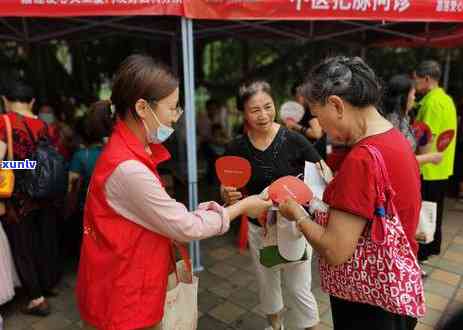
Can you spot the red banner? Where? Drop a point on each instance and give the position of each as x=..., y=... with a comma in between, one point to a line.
x=61, y=8
x=388, y=10
x=378, y=10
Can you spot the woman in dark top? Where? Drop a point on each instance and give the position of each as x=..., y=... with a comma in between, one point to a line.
x=285, y=155
x=274, y=152
x=31, y=225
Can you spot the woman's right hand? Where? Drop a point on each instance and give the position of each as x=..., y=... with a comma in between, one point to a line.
x=436, y=157
x=291, y=210
x=230, y=195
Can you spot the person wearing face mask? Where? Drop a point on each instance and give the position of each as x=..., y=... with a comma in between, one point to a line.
x=61, y=133
x=273, y=151
x=30, y=224
x=129, y=219
x=47, y=114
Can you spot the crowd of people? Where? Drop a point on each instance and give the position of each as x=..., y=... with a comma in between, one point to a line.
x=38, y=234
x=122, y=218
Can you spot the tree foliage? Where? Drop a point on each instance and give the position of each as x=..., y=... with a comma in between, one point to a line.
x=220, y=65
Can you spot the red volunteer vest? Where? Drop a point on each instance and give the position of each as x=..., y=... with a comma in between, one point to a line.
x=123, y=270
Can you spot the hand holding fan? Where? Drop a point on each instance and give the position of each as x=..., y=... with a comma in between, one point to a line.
x=235, y=172
x=290, y=187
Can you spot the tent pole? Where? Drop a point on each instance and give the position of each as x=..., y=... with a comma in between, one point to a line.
x=448, y=60
x=197, y=265
x=190, y=117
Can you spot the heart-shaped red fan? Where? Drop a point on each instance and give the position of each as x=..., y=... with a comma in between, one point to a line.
x=290, y=187
x=233, y=171
x=444, y=139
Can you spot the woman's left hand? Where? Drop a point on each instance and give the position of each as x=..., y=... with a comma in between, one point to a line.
x=255, y=206
x=436, y=157
x=291, y=210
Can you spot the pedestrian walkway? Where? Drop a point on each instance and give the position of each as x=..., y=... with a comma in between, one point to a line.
x=228, y=296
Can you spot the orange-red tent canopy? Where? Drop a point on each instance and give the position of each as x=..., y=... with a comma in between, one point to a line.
x=373, y=10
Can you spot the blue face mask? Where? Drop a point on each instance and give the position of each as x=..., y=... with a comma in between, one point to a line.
x=160, y=134
x=49, y=118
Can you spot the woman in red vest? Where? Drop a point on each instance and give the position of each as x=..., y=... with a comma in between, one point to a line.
x=130, y=221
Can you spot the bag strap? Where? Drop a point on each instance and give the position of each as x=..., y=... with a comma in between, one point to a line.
x=9, y=137
x=385, y=194
x=383, y=182
x=185, y=257
x=31, y=135
x=29, y=131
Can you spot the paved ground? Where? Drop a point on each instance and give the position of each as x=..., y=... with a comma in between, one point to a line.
x=228, y=297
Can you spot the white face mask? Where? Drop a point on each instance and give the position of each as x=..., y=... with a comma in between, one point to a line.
x=160, y=134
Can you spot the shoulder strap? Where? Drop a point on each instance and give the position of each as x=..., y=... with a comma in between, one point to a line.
x=380, y=166
x=47, y=130
x=85, y=161
x=9, y=136
x=31, y=135
x=29, y=131
x=385, y=194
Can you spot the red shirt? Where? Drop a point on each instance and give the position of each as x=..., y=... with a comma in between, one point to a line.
x=353, y=188
x=23, y=146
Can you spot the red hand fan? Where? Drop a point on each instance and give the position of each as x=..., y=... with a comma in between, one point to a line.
x=290, y=187
x=422, y=133
x=444, y=139
x=233, y=171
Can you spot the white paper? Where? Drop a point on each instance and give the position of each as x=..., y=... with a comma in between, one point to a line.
x=314, y=180
x=427, y=224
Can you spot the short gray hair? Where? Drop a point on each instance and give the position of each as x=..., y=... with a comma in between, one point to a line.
x=429, y=68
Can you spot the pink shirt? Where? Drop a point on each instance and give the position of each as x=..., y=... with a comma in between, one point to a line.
x=135, y=193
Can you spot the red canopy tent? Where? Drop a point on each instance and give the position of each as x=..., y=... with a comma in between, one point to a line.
x=67, y=8
x=369, y=10
x=379, y=10
x=35, y=21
